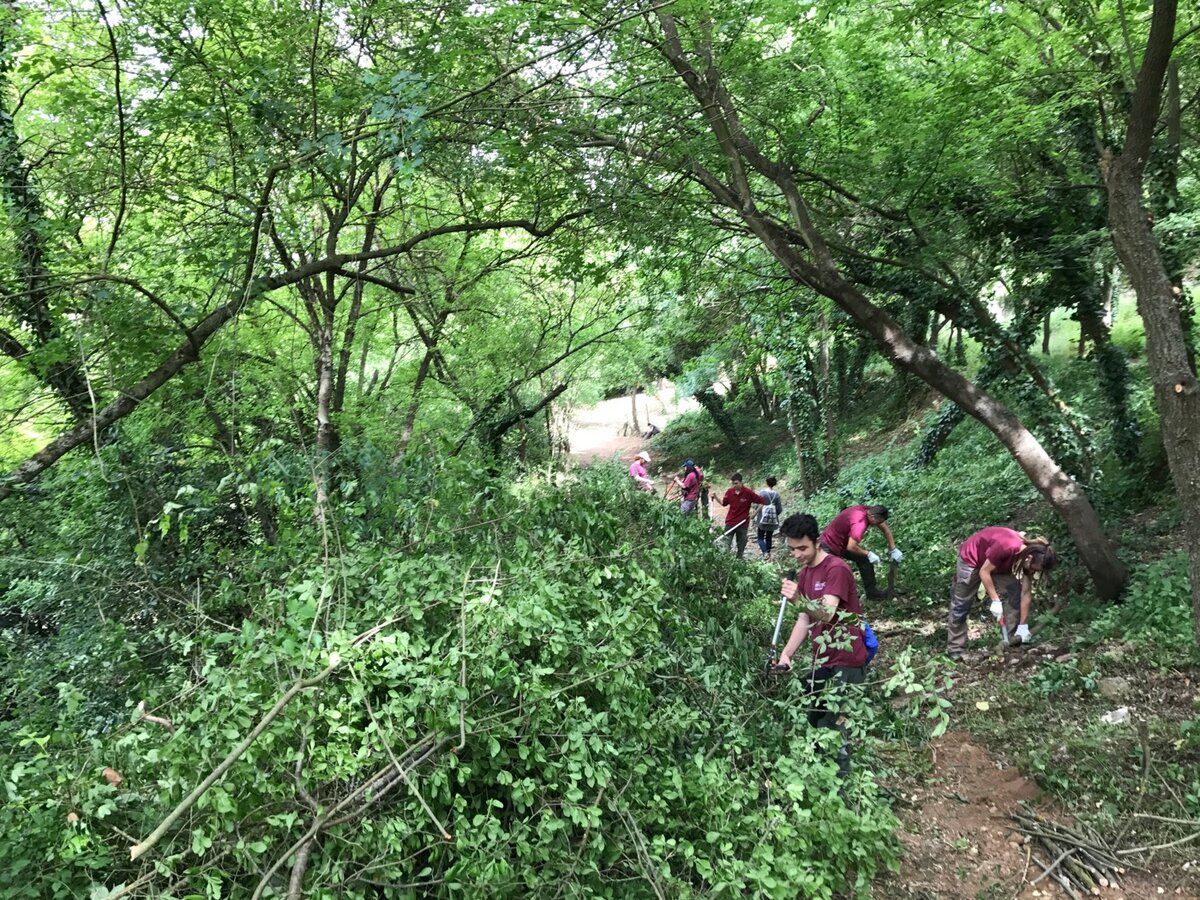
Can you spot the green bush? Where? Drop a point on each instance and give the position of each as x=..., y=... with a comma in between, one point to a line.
x=599, y=655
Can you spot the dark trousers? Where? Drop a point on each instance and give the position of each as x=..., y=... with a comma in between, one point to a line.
x=764, y=540
x=739, y=536
x=819, y=714
x=865, y=570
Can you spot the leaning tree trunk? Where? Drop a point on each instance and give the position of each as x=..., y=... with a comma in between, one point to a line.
x=806, y=257
x=1176, y=391
x=1063, y=493
x=715, y=407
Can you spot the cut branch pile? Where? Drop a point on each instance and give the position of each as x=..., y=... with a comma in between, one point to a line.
x=1076, y=857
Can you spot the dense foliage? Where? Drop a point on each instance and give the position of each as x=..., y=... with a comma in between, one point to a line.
x=599, y=656
x=296, y=302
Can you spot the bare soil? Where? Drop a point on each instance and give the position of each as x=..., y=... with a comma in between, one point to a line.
x=604, y=431
x=960, y=842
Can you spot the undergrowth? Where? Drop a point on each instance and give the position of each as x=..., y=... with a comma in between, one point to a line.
x=570, y=677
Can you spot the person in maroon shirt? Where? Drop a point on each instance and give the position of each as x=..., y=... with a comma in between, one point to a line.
x=843, y=535
x=737, y=501
x=832, y=614
x=690, y=486
x=1005, y=563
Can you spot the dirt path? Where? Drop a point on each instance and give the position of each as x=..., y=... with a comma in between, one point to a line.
x=960, y=842
x=602, y=431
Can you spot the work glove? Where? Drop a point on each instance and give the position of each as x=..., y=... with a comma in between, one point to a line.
x=896, y=555
x=1023, y=632
x=872, y=558
x=997, y=609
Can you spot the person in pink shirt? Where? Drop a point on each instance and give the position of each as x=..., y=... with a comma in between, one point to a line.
x=637, y=471
x=737, y=501
x=843, y=536
x=690, y=486
x=1005, y=562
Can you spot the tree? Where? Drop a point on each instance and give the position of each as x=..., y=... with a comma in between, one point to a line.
x=1172, y=365
x=763, y=191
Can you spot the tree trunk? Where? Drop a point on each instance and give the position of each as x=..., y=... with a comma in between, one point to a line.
x=806, y=257
x=761, y=395
x=410, y=417
x=1176, y=391
x=1046, y=335
x=715, y=406
x=806, y=487
x=1063, y=494
x=633, y=395
x=827, y=397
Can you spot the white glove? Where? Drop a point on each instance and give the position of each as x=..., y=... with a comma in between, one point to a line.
x=896, y=555
x=1023, y=632
x=997, y=609
x=872, y=558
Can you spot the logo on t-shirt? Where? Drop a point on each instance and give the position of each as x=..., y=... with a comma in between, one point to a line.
x=819, y=586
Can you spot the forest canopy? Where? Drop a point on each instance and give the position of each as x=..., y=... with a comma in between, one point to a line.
x=298, y=300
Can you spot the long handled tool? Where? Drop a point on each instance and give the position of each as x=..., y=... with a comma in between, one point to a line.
x=773, y=657
x=719, y=542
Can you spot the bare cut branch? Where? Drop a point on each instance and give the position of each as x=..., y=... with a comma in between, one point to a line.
x=234, y=755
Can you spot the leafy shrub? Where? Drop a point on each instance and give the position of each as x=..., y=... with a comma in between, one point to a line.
x=568, y=677
x=1156, y=607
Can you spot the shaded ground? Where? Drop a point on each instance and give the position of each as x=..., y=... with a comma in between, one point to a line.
x=960, y=842
x=956, y=802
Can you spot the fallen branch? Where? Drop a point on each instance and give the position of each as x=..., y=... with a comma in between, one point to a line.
x=234, y=756
x=157, y=720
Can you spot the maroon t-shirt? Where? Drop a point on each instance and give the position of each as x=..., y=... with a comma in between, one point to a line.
x=833, y=576
x=691, y=485
x=849, y=523
x=739, y=505
x=997, y=544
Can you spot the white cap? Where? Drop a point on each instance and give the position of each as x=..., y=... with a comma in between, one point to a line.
x=643, y=456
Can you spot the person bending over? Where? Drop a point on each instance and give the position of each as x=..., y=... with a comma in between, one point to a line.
x=1005, y=562
x=843, y=536
x=831, y=614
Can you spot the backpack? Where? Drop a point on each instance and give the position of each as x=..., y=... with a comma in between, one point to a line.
x=870, y=640
x=768, y=513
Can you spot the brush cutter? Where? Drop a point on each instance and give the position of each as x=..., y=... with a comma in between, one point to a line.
x=773, y=656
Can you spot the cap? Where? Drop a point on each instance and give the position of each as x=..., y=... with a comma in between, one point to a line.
x=644, y=456
x=687, y=463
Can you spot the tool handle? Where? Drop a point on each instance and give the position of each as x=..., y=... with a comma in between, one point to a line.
x=791, y=576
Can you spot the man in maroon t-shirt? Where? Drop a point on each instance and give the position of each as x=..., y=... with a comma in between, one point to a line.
x=843, y=535
x=1004, y=562
x=825, y=586
x=737, y=502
